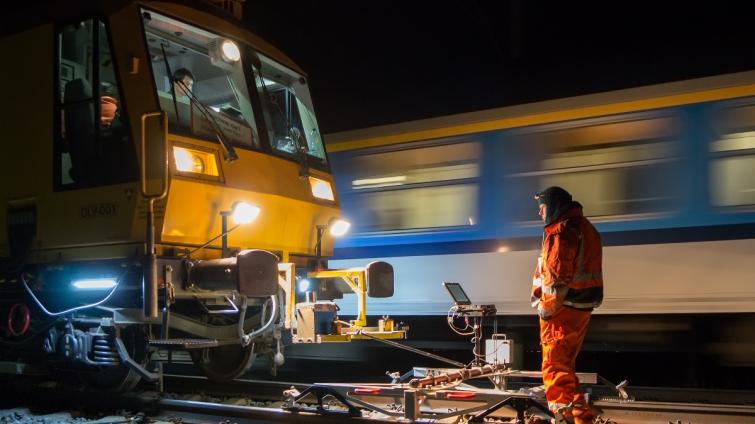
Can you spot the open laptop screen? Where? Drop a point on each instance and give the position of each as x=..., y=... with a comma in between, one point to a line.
x=457, y=293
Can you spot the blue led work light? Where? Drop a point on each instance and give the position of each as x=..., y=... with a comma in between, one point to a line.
x=95, y=283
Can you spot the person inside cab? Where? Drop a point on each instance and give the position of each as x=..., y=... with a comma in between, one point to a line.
x=183, y=82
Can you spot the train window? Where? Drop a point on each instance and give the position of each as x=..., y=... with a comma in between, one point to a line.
x=612, y=168
x=425, y=187
x=94, y=141
x=200, y=81
x=289, y=115
x=732, y=164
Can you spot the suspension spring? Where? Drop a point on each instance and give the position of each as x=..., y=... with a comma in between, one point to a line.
x=104, y=351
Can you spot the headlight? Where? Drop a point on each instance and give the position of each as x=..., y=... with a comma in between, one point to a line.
x=195, y=161
x=321, y=189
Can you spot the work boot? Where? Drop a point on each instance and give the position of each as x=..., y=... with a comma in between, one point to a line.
x=584, y=415
x=559, y=418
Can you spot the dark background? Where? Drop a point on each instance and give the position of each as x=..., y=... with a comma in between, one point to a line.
x=377, y=62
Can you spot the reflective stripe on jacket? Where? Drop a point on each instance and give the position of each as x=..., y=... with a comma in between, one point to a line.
x=569, y=270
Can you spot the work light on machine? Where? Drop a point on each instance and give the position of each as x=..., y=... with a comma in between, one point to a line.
x=338, y=227
x=224, y=53
x=230, y=50
x=240, y=213
x=244, y=213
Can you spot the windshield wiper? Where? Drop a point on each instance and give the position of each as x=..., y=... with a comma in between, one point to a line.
x=228, y=150
x=300, y=143
x=229, y=153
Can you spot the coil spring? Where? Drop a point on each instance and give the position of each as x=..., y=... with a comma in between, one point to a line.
x=104, y=351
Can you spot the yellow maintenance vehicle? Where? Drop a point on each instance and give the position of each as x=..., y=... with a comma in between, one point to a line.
x=164, y=186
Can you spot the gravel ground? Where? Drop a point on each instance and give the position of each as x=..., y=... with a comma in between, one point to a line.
x=24, y=416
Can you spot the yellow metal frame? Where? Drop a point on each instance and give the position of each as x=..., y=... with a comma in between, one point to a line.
x=286, y=280
x=356, y=280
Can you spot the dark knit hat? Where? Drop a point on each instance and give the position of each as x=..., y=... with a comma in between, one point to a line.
x=556, y=201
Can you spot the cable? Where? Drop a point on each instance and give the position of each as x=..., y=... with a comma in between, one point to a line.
x=460, y=331
x=405, y=347
x=188, y=254
x=273, y=313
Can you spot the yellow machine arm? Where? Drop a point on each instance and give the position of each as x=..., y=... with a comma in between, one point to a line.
x=374, y=280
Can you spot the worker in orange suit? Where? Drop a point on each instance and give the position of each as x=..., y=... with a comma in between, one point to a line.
x=567, y=286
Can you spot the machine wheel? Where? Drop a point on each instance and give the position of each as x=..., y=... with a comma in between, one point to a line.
x=120, y=378
x=223, y=363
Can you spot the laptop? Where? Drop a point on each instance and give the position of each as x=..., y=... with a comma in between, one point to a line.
x=457, y=294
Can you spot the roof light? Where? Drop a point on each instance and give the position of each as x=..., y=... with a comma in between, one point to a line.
x=223, y=53
x=230, y=50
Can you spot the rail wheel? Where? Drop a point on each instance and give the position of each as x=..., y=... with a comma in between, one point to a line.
x=223, y=363
x=118, y=378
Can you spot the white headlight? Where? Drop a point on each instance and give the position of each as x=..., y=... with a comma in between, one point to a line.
x=339, y=227
x=244, y=213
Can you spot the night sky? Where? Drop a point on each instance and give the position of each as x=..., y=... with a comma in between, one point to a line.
x=379, y=62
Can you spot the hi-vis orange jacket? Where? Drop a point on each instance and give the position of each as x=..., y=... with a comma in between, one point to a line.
x=569, y=270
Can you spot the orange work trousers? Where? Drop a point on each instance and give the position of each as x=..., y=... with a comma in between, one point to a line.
x=561, y=338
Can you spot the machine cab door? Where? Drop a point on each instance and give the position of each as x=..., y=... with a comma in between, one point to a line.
x=94, y=146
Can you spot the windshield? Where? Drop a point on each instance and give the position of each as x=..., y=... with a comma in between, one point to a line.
x=200, y=81
x=289, y=115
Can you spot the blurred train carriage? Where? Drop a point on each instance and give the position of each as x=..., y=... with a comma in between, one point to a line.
x=666, y=172
x=136, y=217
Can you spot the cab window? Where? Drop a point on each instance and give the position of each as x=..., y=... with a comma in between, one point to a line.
x=94, y=145
x=200, y=81
x=288, y=111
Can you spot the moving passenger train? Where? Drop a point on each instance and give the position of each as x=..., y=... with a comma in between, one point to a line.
x=143, y=210
x=665, y=172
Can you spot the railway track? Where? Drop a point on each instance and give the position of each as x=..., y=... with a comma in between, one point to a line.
x=197, y=400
